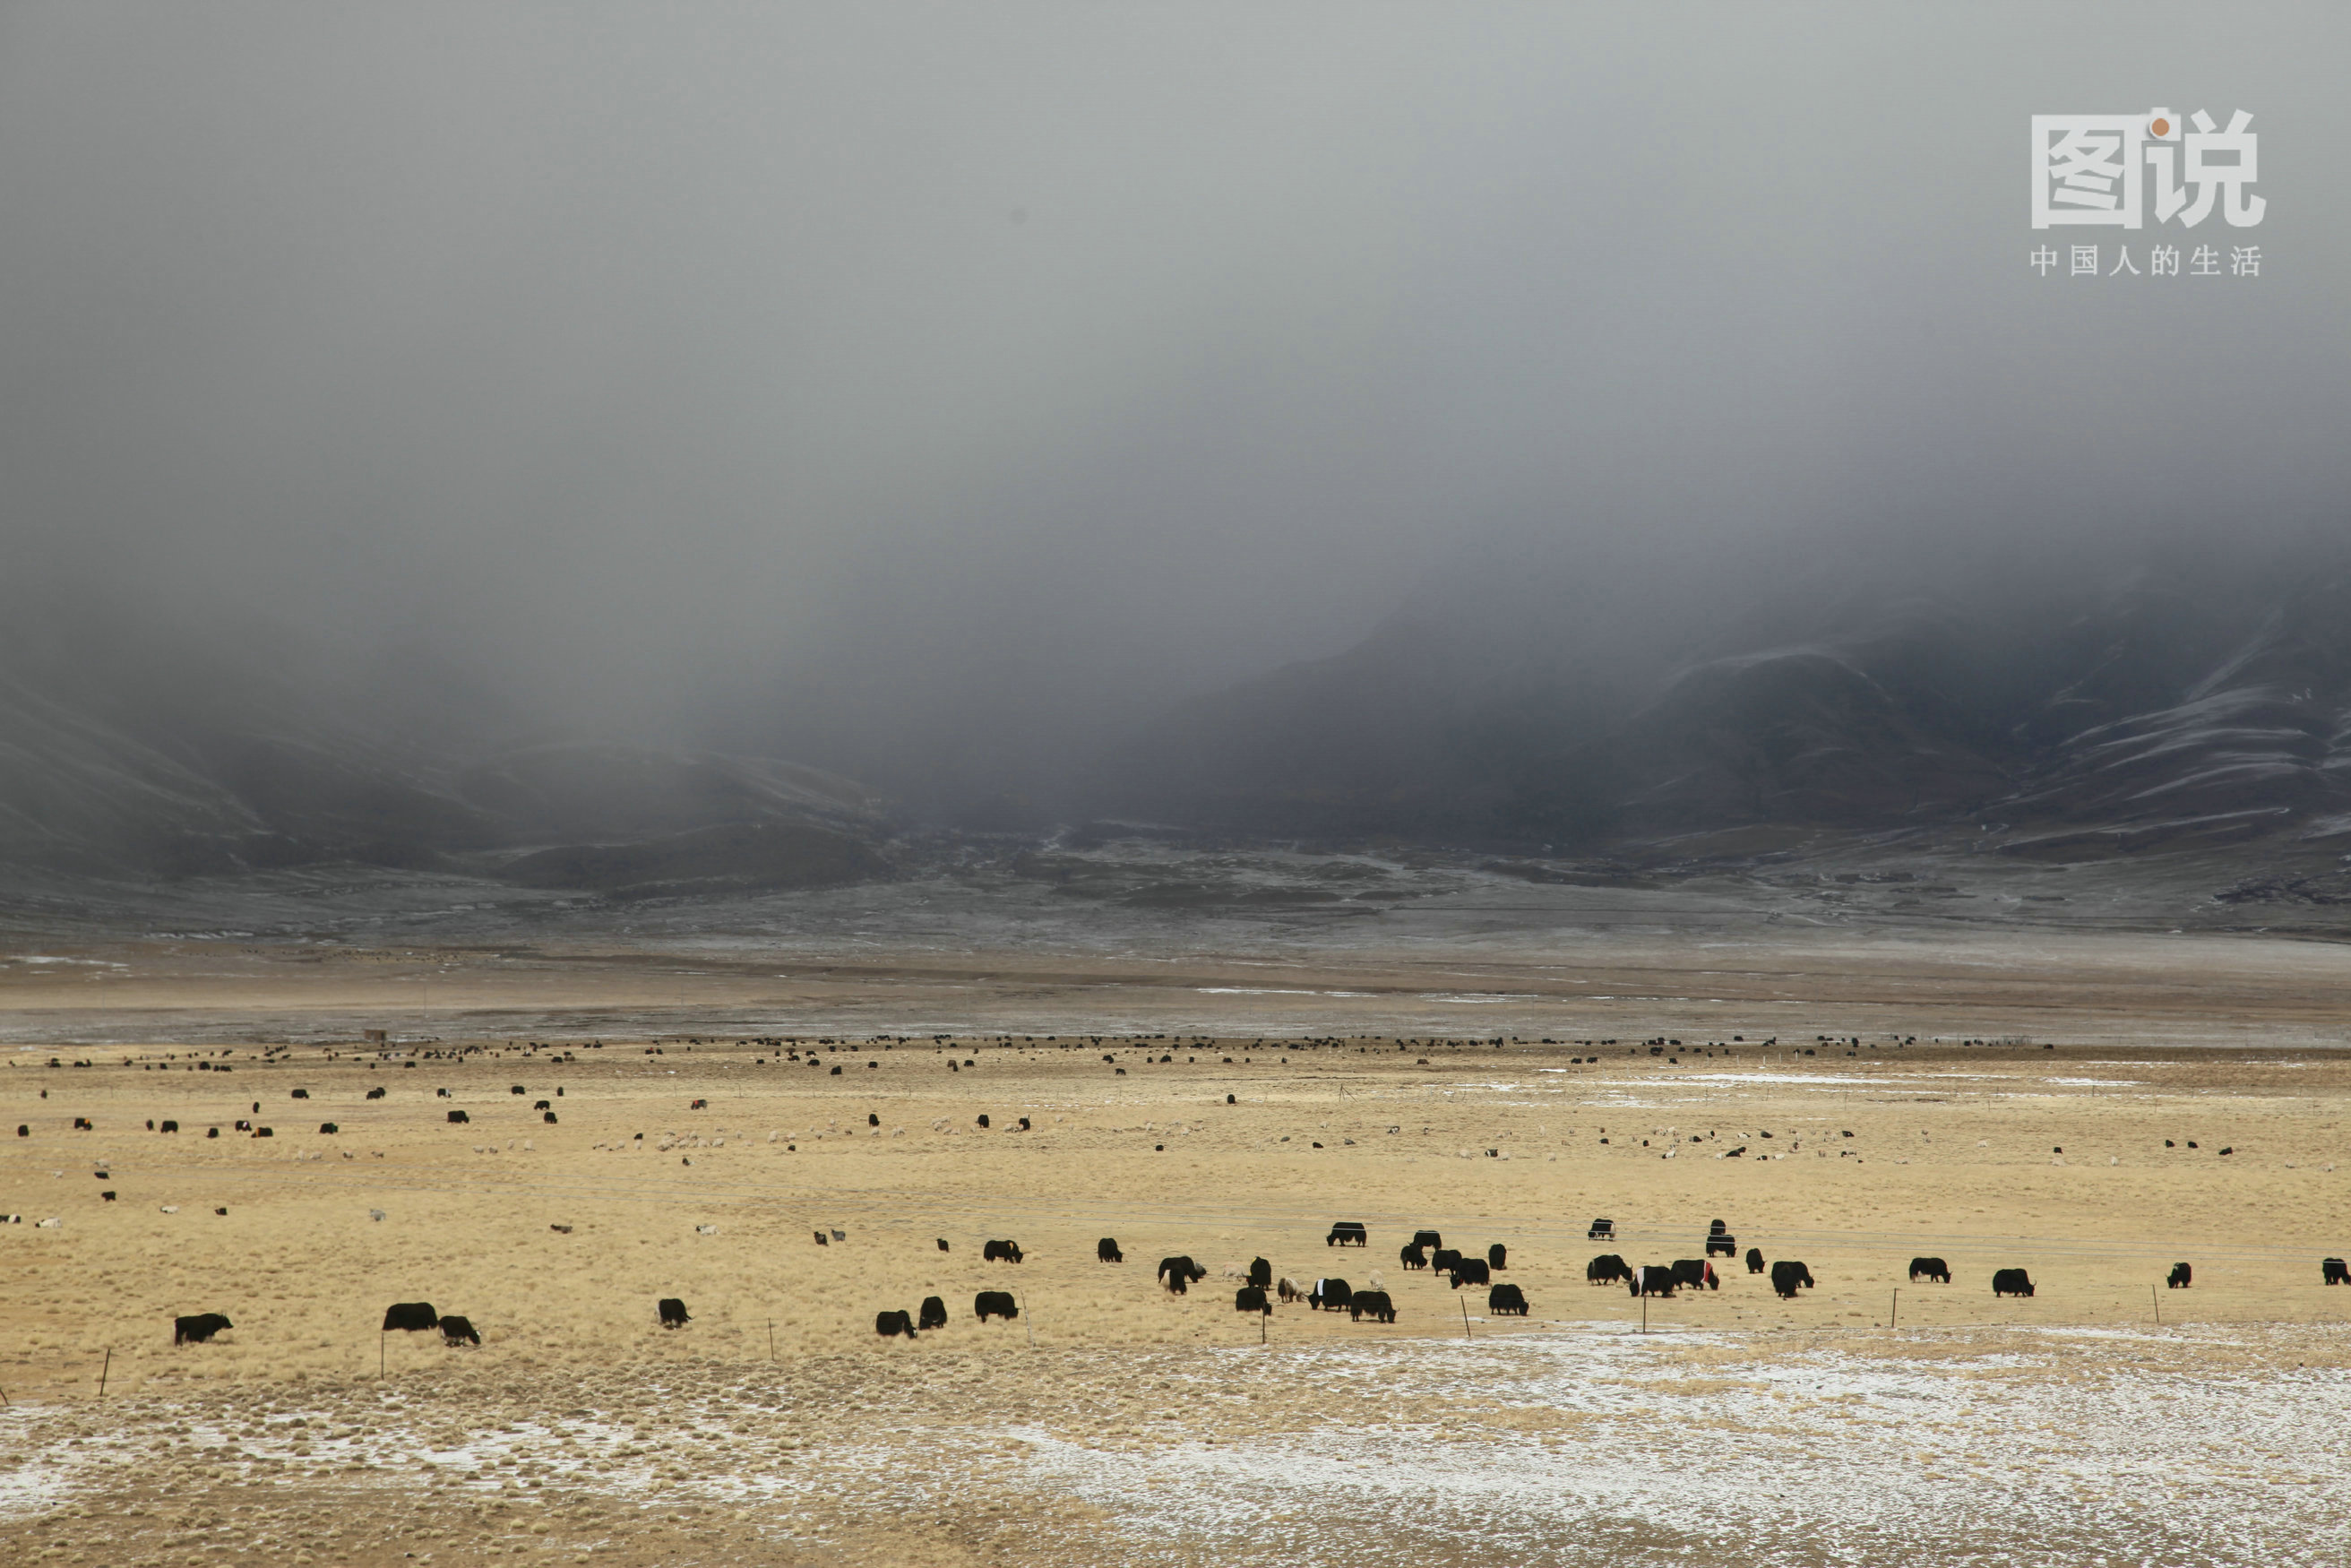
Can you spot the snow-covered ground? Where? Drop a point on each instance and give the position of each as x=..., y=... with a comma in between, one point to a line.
x=2073, y=1447
x=2080, y=1447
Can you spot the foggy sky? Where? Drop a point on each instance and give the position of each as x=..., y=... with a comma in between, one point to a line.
x=863, y=381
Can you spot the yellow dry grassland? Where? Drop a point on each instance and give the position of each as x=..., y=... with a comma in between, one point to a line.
x=2188, y=1117
x=707, y=1171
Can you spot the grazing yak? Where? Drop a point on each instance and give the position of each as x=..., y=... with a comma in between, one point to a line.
x=376, y=1094
x=1497, y=1256
x=890, y=1325
x=995, y=1303
x=1178, y=1274
x=2334, y=1272
x=1106, y=1250
x=1289, y=1290
x=454, y=1329
x=1602, y=1231
x=1428, y=1238
x=1331, y=1296
x=673, y=1312
x=1446, y=1260
x=1251, y=1299
x=1413, y=1256
x=1606, y=1269
x=1373, y=1305
x=1001, y=1252
x=1652, y=1281
x=1755, y=1260
x=2180, y=1277
x=199, y=1329
x=1696, y=1273
x=410, y=1317
x=1933, y=1268
x=1722, y=1242
x=1506, y=1302
x=935, y=1312
x=1471, y=1271
x=1788, y=1277
x=456, y=1117
x=1260, y=1273
x=2011, y=1283
x=1348, y=1233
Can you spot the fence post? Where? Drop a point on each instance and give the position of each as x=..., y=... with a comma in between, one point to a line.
x=103, y=1371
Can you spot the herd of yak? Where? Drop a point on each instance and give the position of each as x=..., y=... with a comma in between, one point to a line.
x=1426, y=1249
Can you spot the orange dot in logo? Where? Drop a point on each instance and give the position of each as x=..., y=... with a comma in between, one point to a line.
x=2163, y=127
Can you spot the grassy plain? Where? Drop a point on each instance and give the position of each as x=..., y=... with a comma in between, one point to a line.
x=777, y=1426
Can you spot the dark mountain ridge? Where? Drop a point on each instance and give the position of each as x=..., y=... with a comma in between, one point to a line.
x=2141, y=706
x=170, y=761
x=1605, y=708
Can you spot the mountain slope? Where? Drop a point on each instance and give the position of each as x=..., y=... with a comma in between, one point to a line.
x=2146, y=704
x=256, y=779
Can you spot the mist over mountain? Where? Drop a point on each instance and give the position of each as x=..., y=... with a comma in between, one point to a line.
x=133, y=751
x=1547, y=706
x=2089, y=705
x=585, y=449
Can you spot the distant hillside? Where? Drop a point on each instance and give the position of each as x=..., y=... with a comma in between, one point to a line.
x=2133, y=711
x=1605, y=708
x=236, y=771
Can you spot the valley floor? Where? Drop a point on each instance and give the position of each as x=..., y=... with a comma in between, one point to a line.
x=1113, y=1421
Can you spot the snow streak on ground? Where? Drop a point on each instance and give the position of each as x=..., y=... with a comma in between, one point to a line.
x=2071, y=1447
x=1577, y=1447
